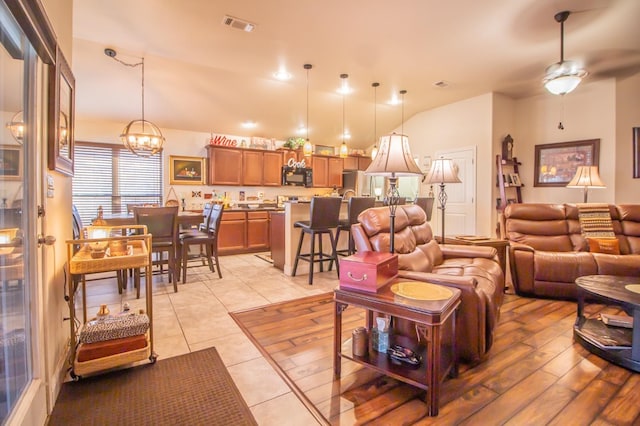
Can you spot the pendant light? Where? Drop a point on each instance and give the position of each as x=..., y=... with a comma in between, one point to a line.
x=374, y=150
x=344, y=150
x=564, y=76
x=307, y=148
x=141, y=137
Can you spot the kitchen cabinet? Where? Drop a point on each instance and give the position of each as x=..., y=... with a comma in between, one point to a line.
x=351, y=163
x=258, y=230
x=334, y=172
x=363, y=163
x=272, y=168
x=248, y=167
x=327, y=171
x=233, y=232
x=277, y=239
x=225, y=166
x=244, y=232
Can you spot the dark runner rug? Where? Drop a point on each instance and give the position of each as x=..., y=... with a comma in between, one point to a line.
x=191, y=389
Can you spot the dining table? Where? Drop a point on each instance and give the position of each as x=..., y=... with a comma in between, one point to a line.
x=186, y=219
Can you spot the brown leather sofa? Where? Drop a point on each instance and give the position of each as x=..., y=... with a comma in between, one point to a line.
x=474, y=270
x=547, y=250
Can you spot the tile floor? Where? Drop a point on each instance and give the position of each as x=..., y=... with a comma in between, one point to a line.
x=196, y=317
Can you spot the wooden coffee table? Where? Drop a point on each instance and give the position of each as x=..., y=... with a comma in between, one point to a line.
x=610, y=289
x=435, y=328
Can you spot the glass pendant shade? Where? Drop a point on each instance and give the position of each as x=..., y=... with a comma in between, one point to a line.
x=142, y=138
x=374, y=152
x=344, y=150
x=16, y=127
x=563, y=77
x=307, y=148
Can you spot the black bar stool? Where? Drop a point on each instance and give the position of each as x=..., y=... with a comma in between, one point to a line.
x=356, y=206
x=324, y=216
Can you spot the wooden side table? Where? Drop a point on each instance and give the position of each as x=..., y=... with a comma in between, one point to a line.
x=469, y=240
x=435, y=329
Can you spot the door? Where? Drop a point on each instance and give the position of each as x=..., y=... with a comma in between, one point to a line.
x=460, y=208
x=252, y=168
x=272, y=169
x=225, y=166
x=22, y=372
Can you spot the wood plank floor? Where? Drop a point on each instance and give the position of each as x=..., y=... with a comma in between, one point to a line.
x=534, y=374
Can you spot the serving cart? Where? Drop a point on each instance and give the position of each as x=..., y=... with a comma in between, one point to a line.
x=80, y=262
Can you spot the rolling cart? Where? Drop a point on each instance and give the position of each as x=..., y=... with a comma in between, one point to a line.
x=80, y=262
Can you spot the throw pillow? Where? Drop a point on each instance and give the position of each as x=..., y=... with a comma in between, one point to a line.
x=604, y=245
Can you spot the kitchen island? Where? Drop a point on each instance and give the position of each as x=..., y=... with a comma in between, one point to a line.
x=287, y=245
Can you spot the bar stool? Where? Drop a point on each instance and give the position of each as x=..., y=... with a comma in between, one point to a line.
x=356, y=206
x=324, y=216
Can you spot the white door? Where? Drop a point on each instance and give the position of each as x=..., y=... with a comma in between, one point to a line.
x=460, y=208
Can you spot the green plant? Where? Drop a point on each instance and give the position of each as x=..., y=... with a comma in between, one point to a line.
x=294, y=143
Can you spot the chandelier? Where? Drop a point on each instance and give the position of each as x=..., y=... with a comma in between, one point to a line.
x=141, y=137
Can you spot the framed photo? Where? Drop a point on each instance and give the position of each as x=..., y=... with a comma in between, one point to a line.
x=61, y=116
x=324, y=150
x=10, y=162
x=636, y=152
x=515, y=179
x=556, y=163
x=186, y=170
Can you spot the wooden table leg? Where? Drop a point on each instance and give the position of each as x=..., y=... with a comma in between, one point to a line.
x=337, y=338
x=431, y=336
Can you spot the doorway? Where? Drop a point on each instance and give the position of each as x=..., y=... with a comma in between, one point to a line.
x=460, y=209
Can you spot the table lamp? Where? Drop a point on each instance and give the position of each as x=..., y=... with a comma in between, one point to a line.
x=393, y=160
x=442, y=171
x=586, y=177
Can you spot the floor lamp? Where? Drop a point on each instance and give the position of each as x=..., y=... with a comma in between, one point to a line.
x=393, y=160
x=586, y=177
x=442, y=171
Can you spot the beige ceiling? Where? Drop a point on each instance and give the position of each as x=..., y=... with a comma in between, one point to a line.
x=203, y=76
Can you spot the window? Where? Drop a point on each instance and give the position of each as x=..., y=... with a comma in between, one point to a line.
x=111, y=176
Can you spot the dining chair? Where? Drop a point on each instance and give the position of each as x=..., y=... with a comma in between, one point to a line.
x=207, y=236
x=162, y=224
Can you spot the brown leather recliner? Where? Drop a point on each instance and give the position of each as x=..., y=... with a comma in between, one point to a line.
x=472, y=269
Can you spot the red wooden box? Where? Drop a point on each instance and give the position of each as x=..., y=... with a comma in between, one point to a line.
x=368, y=271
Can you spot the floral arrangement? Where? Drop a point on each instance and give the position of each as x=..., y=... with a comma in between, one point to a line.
x=294, y=143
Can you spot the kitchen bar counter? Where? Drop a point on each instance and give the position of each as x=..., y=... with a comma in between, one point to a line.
x=296, y=211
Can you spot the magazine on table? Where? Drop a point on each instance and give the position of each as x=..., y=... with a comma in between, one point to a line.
x=605, y=337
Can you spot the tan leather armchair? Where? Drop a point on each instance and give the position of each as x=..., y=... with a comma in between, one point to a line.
x=472, y=269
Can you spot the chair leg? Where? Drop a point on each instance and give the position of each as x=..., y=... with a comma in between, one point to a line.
x=312, y=255
x=215, y=253
x=352, y=248
x=183, y=263
x=321, y=253
x=334, y=253
x=295, y=262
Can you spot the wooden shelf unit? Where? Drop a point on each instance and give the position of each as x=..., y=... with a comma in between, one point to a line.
x=507, y=189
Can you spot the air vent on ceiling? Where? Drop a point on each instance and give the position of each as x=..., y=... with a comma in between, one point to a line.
x=238, y=24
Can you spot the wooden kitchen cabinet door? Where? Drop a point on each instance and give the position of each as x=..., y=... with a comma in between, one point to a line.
x=252, y=168
x=225, y=166
x=258, y=230
x=320, y=172
x=233, y=230
x=351, y=163
x=334, y=173
x=364, y=162
x=272, y=168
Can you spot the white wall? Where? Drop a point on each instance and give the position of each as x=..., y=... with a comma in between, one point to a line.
x=458, y=125
x=627, y=188
x=589, y=113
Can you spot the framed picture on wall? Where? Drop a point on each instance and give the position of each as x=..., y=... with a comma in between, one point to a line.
x=10, y=162
x=556, y=163
x=187, y=170
x=636, y=152
x=61, y=116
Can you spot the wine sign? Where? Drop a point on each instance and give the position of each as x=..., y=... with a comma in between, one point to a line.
x=225, y=140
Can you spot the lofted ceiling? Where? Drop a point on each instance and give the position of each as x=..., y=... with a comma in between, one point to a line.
x=203, y=76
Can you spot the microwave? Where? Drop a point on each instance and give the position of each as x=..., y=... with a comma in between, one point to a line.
x=297, y=176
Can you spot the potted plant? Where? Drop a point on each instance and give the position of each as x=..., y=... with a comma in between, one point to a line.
x=294, y=143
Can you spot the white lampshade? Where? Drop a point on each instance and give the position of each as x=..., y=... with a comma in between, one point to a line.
x=443, y=171
x=394, y=158
x=586, y=177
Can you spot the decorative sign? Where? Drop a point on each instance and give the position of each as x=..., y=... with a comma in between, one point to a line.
x=227, y=140
x=296, y=164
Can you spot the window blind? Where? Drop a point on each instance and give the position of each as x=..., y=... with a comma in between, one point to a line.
x=111, y=176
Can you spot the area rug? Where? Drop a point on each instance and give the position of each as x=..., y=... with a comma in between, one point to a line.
x=265, y=256
x=191, y=389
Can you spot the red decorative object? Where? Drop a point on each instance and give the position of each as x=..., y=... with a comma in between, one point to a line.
x=368, y=271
